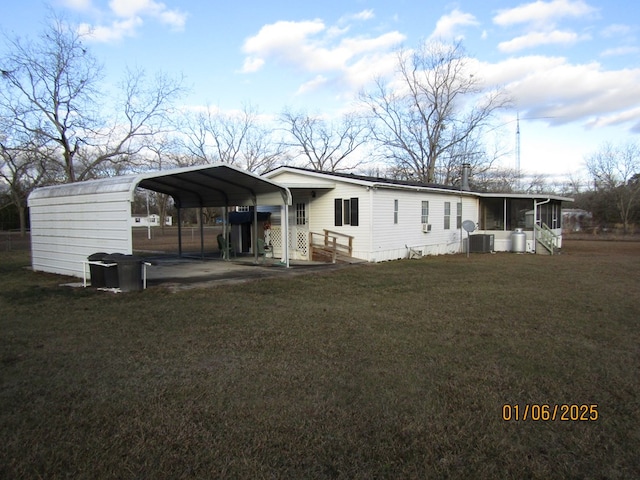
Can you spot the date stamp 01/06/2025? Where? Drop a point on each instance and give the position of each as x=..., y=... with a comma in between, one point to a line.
x=564, y=412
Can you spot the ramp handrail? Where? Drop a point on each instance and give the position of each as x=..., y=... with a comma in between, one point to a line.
x=330, y=242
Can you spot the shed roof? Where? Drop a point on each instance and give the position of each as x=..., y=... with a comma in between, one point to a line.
x=216, y=185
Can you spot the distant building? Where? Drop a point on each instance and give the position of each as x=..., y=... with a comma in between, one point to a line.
x=576, y=219
x=152, y=220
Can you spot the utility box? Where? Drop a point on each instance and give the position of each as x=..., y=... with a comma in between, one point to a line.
x=481, y=243
x=97, y=269
x=130, y=273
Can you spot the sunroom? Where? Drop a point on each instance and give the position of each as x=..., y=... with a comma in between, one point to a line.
x=539, y=217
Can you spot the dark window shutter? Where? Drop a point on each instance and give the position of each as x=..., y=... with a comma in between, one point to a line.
x=354, y=212
x=338, y=212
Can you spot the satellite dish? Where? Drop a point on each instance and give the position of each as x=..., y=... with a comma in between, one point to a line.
x=469, y=226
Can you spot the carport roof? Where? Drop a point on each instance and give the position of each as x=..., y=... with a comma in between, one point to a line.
x=215, y=185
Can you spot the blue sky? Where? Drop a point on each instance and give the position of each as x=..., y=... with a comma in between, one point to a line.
x=574, y=61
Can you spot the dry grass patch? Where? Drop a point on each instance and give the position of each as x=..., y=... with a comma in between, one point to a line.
x=395, y=370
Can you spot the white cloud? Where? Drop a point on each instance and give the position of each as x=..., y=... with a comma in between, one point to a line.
x=616, y=30
x=542, y=13
x=314, y=48
x=115, y=32
x=312, y=85
x=252, y=64
x=134, y=8
x=130, y=16
x=617, y=118
x=77, y=4
x=360, y=16
x=620, y=51
x=537, y=39
x=447, y=25
x=552, y=87
x=282, y=39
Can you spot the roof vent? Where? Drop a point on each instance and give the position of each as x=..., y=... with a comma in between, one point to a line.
x=466, y=169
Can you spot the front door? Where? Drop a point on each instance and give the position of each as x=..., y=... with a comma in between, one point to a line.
x=299, y=229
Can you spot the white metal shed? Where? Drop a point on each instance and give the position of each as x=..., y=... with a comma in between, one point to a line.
x=72, y=221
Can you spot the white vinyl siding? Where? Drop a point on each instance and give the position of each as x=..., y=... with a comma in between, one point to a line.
x=66, y=230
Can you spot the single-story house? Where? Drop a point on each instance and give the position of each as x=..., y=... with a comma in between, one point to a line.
x=377, y=219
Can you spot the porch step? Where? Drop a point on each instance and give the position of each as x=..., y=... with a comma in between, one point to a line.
x=542, y=249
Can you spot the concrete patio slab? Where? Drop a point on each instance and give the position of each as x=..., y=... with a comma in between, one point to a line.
x=180, y=273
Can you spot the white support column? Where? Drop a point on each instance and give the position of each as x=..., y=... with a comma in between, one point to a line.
x=284, y=216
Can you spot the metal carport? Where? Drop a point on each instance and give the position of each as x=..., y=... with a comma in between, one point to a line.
x=70, y=222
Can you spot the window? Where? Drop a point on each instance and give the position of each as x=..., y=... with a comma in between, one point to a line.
x=243, y=208
x=447, y=215
x=346, y=212
x=301, y=213
x=550, y=214
x=424, y=218
x=511, y=213
x=395, y=211
x=459, y=216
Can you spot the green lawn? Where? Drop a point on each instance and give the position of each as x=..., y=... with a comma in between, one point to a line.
x=394, y=370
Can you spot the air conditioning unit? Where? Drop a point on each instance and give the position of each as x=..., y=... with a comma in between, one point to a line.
x=481, y=243
x=426, y=227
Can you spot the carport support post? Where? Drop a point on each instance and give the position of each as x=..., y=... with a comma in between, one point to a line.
x=179, y=232
x=225, y=244
x=254, y=241
x=201, y=234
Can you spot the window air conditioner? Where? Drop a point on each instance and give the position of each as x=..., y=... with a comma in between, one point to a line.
x=426, y=227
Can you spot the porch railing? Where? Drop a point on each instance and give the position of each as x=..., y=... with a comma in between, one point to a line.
x=330, y=245
x=545, y=237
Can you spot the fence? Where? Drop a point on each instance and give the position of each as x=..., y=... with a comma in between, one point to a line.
x=13, y=241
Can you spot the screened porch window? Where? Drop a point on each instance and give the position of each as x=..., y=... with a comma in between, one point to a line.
x=506, y=214
x=551, y=214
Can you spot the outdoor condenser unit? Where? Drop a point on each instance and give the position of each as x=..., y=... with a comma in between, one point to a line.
x=481, y=243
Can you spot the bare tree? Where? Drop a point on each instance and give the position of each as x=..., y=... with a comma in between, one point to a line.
x=141, y=117
x=615, y=171
x=22, y=170
x=49, y=89
x=325, y=146
x=497, y=180
x=48, y=84
x=237, y=138
x=164, y=152
x=426, y=117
